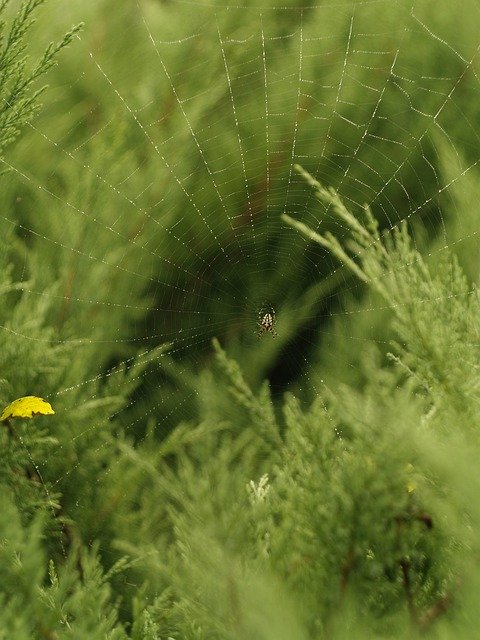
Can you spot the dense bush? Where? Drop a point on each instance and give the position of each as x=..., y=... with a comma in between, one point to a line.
x=196, y=481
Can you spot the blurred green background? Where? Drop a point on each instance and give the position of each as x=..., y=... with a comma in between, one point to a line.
x=164, y=156
x=141, y=218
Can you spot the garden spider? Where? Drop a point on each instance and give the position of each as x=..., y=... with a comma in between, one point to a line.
x=266, y=322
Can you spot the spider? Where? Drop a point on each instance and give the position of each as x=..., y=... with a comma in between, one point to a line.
x=266, y=323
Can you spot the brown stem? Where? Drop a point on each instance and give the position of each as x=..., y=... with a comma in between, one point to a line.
x=10, y=429
x=346, y=571
x=401, y=521
x=435, y=611
x=407, y=587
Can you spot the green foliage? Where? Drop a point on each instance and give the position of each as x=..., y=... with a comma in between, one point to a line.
x=175, y=494
x=435, y=317
x=19, y=101
x=37, y=605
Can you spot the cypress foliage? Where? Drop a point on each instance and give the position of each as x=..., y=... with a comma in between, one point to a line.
x=173, y=494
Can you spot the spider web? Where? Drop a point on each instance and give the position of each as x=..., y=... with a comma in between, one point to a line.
x=215, y=104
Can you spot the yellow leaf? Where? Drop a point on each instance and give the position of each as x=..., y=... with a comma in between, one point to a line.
x=27, y=407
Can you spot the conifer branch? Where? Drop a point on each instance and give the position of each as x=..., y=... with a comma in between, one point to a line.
x=18, y=101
